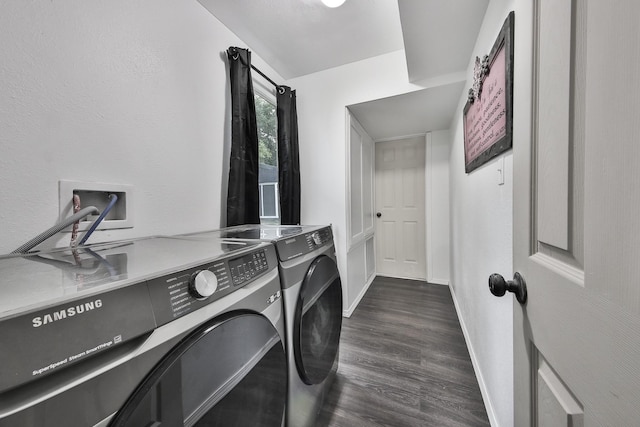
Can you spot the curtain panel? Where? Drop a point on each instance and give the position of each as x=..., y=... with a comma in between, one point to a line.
x=288, y=158
x=243, y=198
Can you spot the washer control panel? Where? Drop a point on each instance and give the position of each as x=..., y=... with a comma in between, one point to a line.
x=247, y=267
x=181, y=293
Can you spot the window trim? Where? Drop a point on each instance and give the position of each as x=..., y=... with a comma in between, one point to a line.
x=277, y=199
x=264, y=90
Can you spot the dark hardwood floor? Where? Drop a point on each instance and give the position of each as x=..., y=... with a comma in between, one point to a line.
x=404, y=362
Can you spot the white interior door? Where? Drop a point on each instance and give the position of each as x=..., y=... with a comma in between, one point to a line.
x=400, y=210
x=577, y=213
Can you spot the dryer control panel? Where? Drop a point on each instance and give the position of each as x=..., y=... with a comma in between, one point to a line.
x=181, y=293
x=319, y=238
x=304, y=243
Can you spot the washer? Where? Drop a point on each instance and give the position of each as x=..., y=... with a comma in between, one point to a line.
x=312, y=294
x=154, y=331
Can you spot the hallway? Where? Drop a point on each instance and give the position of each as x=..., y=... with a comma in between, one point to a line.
x=404, y=362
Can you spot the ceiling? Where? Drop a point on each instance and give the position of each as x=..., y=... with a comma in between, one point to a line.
x=299, y=37
x=439, y=35
x=409, y=114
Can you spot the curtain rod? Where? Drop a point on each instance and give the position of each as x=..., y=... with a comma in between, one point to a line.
x=237, y=55
x=265, y=76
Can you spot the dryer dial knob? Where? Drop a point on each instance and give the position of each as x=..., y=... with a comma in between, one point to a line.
x=316, y=238
x=203, y=284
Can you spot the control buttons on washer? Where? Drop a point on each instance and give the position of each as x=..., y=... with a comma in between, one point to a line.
x=203, y=284
x=248, y=267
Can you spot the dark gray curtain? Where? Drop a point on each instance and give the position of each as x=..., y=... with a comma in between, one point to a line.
x=288, y=158
x=243, y=198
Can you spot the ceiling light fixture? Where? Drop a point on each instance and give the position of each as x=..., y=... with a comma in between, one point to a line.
x=333, y=3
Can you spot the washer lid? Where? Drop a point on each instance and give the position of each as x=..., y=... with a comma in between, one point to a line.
x=36, y=281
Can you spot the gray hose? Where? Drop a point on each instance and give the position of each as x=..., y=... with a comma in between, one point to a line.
x=55, y=229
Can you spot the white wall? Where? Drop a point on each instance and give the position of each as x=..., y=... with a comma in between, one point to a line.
x=322, y=99
x=117, y=92
x=437, y=206
x=481, y=244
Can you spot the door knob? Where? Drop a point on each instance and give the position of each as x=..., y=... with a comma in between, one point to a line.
x=498, y=286
x=378, y=214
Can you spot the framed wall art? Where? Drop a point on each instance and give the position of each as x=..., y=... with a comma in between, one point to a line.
x=488, y=113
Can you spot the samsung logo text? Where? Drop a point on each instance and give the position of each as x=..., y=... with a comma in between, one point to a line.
x=74, y=310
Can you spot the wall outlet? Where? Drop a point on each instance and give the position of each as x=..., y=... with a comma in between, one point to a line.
x=97, y=194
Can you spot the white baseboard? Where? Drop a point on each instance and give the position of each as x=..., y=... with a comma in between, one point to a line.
x=476, y=368
x=428, y=280
x=349, y=311
x=401, y=277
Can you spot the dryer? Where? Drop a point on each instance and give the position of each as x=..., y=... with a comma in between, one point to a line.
x=312, y=296
x=159, y=330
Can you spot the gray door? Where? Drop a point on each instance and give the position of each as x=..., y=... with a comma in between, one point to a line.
x=577, y=212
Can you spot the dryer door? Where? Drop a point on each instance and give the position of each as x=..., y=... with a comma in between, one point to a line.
x=318, y=321
x=232, y=371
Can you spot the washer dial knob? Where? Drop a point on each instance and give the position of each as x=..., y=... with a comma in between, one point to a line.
x=203, y=284
x=316, y=238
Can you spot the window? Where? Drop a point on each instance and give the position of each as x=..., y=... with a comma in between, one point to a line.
x=269, y=208
x=267, y=158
